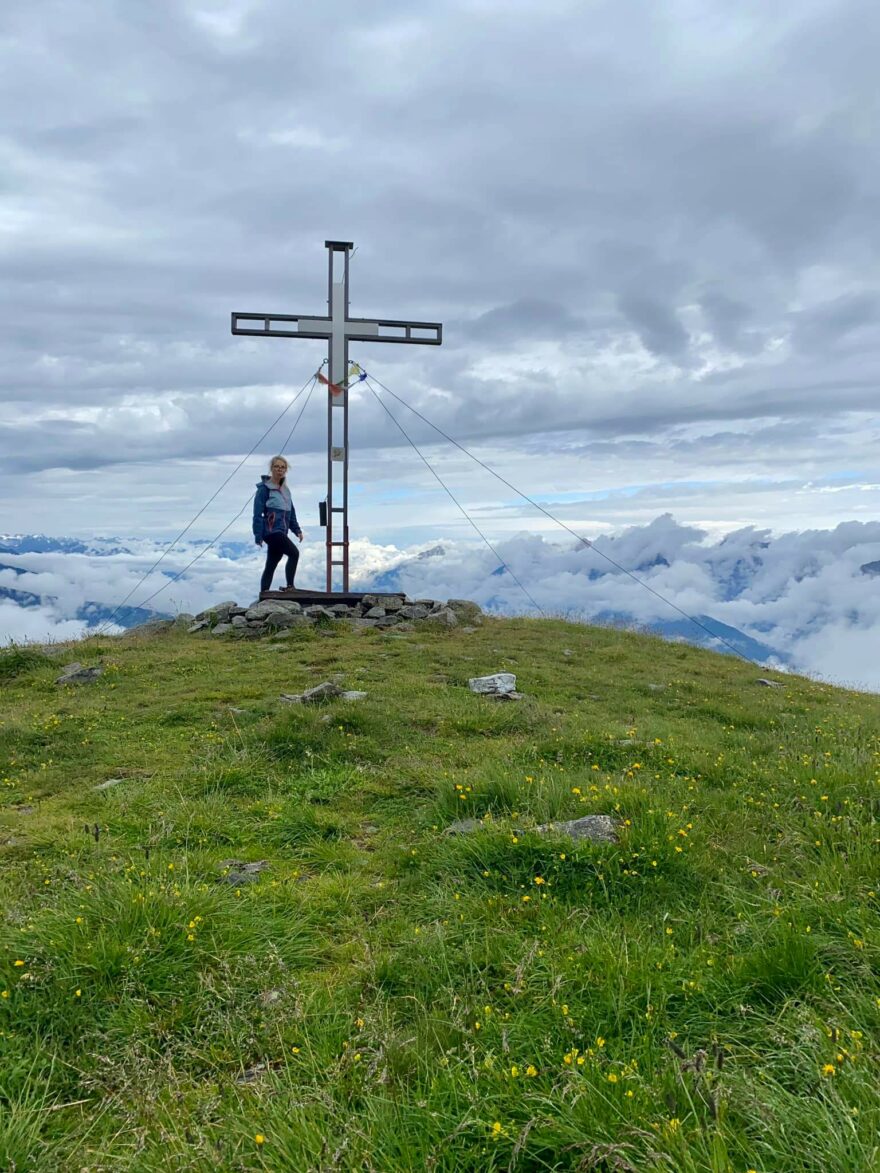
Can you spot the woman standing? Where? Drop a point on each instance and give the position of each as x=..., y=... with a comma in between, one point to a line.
x=274, y=515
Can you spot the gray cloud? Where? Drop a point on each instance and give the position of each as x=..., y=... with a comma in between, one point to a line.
x=632, y=224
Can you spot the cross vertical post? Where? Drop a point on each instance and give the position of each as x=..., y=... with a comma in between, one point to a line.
x=338, y=329
x=338, y=256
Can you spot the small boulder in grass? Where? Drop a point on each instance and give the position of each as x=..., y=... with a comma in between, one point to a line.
x=237, y=873
x=595, y=828
x=499, y=684
x=327, y=691
x=77, y=674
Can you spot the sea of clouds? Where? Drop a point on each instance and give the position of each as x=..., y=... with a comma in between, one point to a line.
x=813, y=597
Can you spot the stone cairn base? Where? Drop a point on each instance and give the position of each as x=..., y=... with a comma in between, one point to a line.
x=275, y=616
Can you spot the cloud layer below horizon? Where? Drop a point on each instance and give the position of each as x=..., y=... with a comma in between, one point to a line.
x=804, y=594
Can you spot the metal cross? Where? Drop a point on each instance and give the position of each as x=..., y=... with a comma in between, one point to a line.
x=339, y=329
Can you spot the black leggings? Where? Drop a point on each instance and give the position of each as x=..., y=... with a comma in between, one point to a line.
x=277, y=545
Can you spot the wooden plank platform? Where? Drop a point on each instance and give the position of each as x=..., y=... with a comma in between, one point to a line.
x=325, y=598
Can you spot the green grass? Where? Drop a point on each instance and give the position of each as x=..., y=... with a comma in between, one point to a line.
x=701, y=995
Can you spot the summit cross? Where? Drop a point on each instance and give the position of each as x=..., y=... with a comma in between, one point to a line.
x=339, y=329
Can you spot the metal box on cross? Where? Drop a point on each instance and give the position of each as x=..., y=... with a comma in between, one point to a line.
x=339, y=329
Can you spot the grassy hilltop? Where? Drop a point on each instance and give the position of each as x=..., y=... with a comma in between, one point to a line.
x=702, y=995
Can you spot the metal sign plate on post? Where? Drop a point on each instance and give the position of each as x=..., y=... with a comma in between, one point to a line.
x=339, y=329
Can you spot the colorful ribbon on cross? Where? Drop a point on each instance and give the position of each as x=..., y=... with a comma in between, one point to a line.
x=335, y=389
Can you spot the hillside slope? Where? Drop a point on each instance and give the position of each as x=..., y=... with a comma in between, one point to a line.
x=381, y=995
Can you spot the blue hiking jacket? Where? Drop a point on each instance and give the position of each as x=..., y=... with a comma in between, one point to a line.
x=273, y=509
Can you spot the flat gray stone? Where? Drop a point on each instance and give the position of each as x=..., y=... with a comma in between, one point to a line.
x=238, y=621
x=375, y=613
x=352, y=694
x=222, y=628
x=495, y=685
x=768, y=683
x=199, y=625
x=109, y=784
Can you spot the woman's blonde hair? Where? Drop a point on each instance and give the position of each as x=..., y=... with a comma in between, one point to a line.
x=283, y=460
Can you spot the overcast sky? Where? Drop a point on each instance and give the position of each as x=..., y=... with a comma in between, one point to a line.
x=649, y=227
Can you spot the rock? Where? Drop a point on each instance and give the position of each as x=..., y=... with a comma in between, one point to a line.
x=444, y=617
x=404, y=626
x=153, y=626
x=341, y=609
x=24, y=808
x=387, y=602
x=414, y=611
x=280, y=620
x=76, y=674
x=352, y=694
x=199, y=625
x=252, y=1074
x=239, y=865
x=183, y=620
x=656, y=687
x=222, y=628
x=463, y=827
x=375, y=613
x=321, y=692
x=240, y=873
x=238, y=621
x=108, y=784
x=768, y=683
x=468, y=630
x=260, y=612
x=567, y=652
x=318, y=612
x=500, y=682
x=465, y=609
x=218, y=613
x=596, y=828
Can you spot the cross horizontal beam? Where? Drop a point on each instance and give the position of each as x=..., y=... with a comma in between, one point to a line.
x=356, y=329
